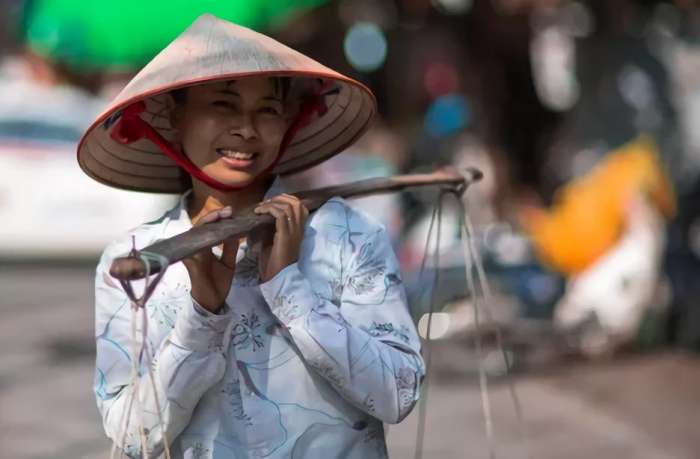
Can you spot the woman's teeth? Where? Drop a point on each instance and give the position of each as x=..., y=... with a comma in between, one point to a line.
x=235, y=154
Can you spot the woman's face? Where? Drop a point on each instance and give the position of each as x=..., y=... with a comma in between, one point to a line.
x=232, y=130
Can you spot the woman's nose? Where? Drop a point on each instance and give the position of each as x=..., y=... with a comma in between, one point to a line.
x=245, y=128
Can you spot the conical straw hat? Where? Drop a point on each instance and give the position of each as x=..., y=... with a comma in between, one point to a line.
x=213, y=50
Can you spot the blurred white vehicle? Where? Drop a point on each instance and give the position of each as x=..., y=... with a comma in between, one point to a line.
x=619, y=289
x=48, y=206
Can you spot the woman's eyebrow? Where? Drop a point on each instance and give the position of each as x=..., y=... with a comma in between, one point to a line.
x=227, y=92
x=232, y=92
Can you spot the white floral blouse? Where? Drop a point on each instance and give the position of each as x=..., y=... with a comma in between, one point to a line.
x=306, y=365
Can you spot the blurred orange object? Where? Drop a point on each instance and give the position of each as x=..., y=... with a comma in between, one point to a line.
x=589, y=213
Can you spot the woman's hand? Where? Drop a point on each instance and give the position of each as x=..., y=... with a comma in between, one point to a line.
x=290, y=215
x=210, y=276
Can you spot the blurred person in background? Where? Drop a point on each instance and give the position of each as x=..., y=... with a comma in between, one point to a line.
x=561, y=86
x=615, y=168
x=676, y=28
x=300, y=345
x=47, y=99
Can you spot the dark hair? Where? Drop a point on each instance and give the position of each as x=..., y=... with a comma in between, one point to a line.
x=282, y=85
x=179, y=95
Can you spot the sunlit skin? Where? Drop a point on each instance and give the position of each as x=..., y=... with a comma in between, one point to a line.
x=232, y=131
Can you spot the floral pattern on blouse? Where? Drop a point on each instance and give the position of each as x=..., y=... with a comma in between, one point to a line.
x=308, y=364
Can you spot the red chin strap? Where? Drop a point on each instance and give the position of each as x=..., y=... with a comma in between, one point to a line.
x=131, y=127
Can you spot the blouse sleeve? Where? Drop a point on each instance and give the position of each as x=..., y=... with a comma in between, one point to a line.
x=188, y=360
x=366, y=346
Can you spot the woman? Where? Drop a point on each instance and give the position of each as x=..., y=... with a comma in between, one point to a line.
x=298, y=345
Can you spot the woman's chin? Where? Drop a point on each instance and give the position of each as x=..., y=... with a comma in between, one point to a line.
x=235, y=179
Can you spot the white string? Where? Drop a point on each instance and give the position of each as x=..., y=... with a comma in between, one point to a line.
x=133, y=377
x=124, y=420
x=130, y=390
x=483, y=380
x=472, y=261
x=486, y=291
x=422, y=408
x=468, y=232
x=138, y=353
x=163, y=261
x=136, y=361
x=137, y=386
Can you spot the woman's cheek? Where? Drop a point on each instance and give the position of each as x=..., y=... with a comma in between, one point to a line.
x=273, y=131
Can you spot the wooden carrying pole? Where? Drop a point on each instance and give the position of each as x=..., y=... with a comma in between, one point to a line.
x=211, y=234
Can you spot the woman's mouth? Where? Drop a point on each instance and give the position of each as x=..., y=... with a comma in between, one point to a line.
x=236, y=159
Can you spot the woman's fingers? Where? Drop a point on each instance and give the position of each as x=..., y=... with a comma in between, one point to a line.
x=290, y=215
x=292, y=207
x=205, y=257
x=274, y=206
x=283, y=219
x=296, y=206
x=215, y=215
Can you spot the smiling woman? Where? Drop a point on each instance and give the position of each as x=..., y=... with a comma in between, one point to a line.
x=261, y=347
x=232, y=130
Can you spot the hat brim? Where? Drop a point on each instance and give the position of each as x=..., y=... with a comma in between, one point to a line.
x=141, y=166
x=213, y=50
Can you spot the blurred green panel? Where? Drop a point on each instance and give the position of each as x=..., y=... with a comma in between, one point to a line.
x=125, y=34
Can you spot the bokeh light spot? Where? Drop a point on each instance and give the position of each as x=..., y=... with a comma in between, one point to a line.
x=440, y=78
x=447, y=115
x=453, y=6
x=439, y=325
x=365, y=46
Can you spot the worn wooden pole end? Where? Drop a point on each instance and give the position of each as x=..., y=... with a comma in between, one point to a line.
x=127, y=268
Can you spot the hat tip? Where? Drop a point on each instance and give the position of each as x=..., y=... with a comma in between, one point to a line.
x=206, y=17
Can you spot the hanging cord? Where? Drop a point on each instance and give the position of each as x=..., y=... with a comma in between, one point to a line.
x=139, y=354
x=422, y=408
x=473, y=262
x=124, y=420
x=133, y=377
x=469, y=262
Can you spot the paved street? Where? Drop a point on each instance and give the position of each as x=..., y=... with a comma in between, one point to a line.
x=642, y=407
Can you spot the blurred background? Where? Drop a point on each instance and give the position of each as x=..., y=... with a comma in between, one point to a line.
x=582, y=116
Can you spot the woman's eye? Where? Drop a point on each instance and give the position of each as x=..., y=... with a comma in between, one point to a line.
x=270, y=111
x=223, y=103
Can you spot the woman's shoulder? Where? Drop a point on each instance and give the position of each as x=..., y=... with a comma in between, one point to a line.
x=338, y=222
x=337, y=214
